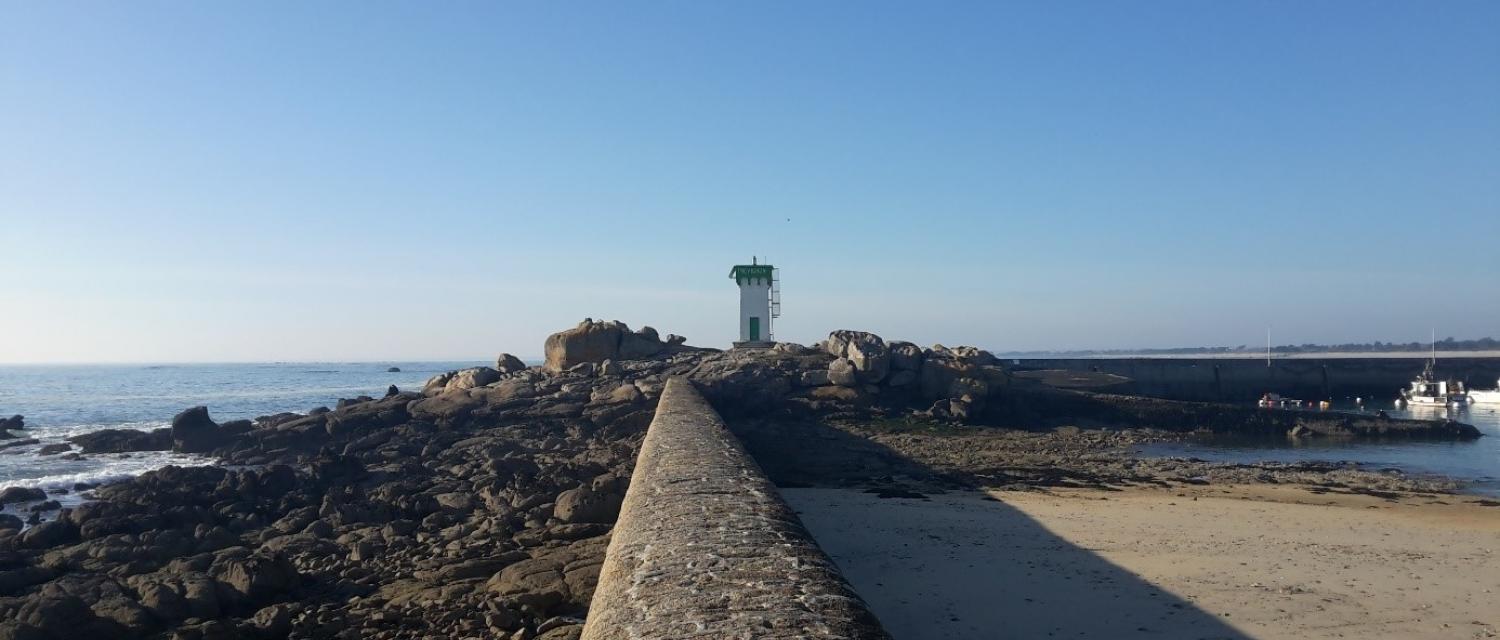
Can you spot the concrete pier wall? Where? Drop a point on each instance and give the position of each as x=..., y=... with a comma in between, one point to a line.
x=1238, y=379
x=706, y=548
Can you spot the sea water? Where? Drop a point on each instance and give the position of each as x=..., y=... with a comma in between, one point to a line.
x=59, y=401
x=1476, y=462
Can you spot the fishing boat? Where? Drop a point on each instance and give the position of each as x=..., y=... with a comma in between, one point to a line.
x=1485, y=396
x=1427, y=389
x=1275, y=401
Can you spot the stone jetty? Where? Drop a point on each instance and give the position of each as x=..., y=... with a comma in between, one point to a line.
x=705, y=547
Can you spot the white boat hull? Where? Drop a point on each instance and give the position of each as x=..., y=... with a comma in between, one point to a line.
x=1485, y=397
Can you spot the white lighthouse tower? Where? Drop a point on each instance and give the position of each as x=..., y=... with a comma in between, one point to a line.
x=760, y=302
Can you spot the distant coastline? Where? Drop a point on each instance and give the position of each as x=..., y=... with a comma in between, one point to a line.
x=1244, y=355
x=1448, y=347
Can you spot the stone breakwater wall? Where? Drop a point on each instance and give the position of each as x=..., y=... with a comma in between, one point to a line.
x=706, y=548
x=1245, y=379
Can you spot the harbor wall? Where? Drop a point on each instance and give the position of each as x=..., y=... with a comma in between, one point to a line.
x=1242, y=379
x=706, y=548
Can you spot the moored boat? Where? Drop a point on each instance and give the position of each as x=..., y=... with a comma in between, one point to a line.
x=1485, y=396
x=1427, y=389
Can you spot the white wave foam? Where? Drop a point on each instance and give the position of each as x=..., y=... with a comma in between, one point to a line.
x=111, y=468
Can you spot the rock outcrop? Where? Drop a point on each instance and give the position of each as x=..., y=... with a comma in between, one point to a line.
x=507, y=363
x=866, y=351
x=596, y=341
x=194, y=432
x=123, y=440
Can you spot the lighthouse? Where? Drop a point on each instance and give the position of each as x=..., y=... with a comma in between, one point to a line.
x=760, y=301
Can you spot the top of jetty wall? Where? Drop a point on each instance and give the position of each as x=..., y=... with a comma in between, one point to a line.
x=706, y=548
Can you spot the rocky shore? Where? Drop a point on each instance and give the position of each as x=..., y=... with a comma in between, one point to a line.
x=481, y=504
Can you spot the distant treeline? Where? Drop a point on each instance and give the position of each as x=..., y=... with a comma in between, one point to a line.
x=1446, y=344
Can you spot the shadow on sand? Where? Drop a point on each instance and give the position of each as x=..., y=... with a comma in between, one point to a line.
x=955, y=564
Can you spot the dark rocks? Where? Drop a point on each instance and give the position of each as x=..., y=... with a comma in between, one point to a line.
x=393, y=369
x=359, y=418
x=507, y=363
x=194, y=432
x=46, y=505
x=54, y=449
x=63, y=616
x=448, y=408
x=49, y=534
x=584, y=504
x=21, y=494
x=123, y=440
x=15, y=423
x=257, y=579
x=537, y=583
x=640, y=344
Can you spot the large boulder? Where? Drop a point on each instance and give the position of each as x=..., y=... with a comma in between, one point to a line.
x=590, y=341
x=975, y=355
x=13, y=422
x=471, y=378
x=257, y=579
x=194, y=432
x=901, y=378
x=870, y=359
x=940, y=369
x=584, y=504
x=21, y=494
x=640, y=344
x=437, y=383
x=62, y=616
x=50, y=534
x=905, y=356
x=507, y=363
x=366, y=416
x=537, y=583
x=842, y=373
x=866, y=351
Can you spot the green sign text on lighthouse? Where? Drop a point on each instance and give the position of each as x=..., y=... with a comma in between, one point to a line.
x=751, y=273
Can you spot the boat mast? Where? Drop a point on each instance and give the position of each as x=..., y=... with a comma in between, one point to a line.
x=1268, y=347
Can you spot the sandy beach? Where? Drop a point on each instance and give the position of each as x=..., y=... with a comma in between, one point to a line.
x=1238, y=561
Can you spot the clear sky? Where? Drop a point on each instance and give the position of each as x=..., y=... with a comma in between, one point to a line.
x=186, y=181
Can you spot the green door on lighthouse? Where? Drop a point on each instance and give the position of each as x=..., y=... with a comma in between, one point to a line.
x=754, y=329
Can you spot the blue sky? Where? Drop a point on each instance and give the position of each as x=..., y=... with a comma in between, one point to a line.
x=357, y=181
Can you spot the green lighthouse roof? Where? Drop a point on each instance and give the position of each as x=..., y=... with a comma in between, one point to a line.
x=751, y=273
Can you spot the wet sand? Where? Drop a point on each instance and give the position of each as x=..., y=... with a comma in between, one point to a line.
x=1241, y=561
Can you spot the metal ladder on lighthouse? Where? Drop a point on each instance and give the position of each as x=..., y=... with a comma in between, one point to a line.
x=775, y=304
